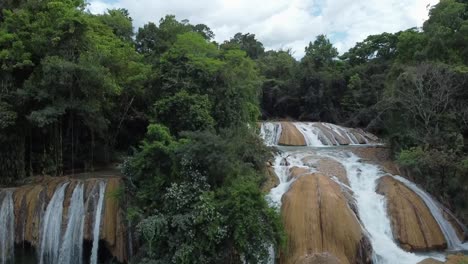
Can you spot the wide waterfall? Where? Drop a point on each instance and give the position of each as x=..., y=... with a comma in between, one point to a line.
x=7, y=227
x=56, y=220
x=363, y=176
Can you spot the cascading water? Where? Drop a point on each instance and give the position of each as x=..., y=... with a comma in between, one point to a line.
x=282, y=165
x=363, y=178
x=97, y=223
x=51, y=228
x=71, y=250
x=453, y=241
x=7, y=223
x=312, y=135
x=372, y=211
x=270, y=133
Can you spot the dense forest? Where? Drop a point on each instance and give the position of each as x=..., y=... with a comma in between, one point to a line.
x=178, y=111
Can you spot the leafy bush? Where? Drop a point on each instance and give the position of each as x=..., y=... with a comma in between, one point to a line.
x=200, y=198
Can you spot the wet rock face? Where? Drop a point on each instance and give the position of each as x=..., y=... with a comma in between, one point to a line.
x=318, y=218
x=413, y=225
x=318, y=258
x=431, y=261
x=290, y=135
x=272, y=179
x=31, y=201
x=327, y=166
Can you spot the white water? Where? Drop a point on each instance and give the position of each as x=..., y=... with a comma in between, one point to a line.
x=282, y=165
x=363, y=178
x=315, y=134
x=453, y=241
x=7, y=227
x=51, y=228
x=371, y=206
x=344, y=132
x=71, y=250
x=311, y=135
x=97, y=223
x=270, y=133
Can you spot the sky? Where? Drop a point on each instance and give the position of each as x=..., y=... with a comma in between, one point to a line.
x=283, y=24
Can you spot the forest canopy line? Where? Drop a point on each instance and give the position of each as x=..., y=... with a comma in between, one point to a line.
x=79, y=91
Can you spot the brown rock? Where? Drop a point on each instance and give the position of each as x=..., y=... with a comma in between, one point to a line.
x=271, y=181
x=457, y=259
x=290, y=135
x=318, y=219
x=113, y=230
x=413, y=225
x=430, y=261
x=331, y=135
x=327, y=166
x=380, y=156
x=296, y=172
x=318, y=258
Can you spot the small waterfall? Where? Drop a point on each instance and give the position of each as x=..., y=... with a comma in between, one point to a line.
x=344, y=132
x=372, y=211
x=270, y=132
x=71, y=250
x=97, y=223
x=7, y=227
x=453, y=241
x=51, y=228
x=312, y=135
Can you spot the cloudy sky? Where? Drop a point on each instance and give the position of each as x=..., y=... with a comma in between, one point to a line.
x=283, y=24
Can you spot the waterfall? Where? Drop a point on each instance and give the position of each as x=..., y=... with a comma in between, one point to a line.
x=372, y=211
x=363, y=179
x=312, y=135
x=97, y=223
x=282, y=165
x=453, y=241
x=71, y=250
x=344, y=132
x=51, y=228
x=270, y=133
x=7, y=227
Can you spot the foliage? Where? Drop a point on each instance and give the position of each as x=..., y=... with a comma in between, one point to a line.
x=185, y=112
x=208, y=207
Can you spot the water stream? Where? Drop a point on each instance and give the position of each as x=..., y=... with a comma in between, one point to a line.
x=71, y=250
x=453, y=241
x=363, y=178
x=52, y=227
x=7, y=227
x=97, y=223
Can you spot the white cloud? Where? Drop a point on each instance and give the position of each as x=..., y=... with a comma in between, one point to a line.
x=283, y=23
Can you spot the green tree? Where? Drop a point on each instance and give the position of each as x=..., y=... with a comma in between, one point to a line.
x=185, y=112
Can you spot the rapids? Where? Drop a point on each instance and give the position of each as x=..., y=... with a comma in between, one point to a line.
x=363, y=179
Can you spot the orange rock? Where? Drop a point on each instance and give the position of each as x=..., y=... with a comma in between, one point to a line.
x=296, y=172
x=113, y=230
x=327, y=166
x=290, y=135
x=318, y=219
x=413, y=225
x=318, y=258
x=457, y=259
